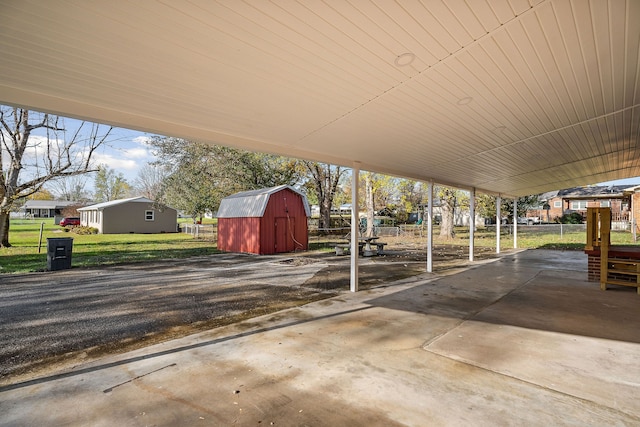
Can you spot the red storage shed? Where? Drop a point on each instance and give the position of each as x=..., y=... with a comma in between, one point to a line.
x=266, y=221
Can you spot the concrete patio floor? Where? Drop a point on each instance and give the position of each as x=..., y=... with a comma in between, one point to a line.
x=522, y=340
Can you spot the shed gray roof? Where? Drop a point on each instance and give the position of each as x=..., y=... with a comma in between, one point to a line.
x=101, y=206
x=252, y=204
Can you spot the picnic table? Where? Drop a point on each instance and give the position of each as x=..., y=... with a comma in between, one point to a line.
x=365, y=245
x=368, y=250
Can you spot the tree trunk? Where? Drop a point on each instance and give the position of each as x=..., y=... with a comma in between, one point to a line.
x=447, y=210
x=4, y=229
x=370, y=205
x=325, y=211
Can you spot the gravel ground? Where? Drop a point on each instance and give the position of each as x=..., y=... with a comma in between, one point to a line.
x=57, y=319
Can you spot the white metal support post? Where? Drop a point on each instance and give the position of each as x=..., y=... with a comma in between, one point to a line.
x=355, y=225
x=498, y=223
x=515, y=223
x=430, y=228
x=472, y=221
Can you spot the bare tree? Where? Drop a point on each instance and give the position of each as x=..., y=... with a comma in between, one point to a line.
x=150, y=179
x=35, y=150
x=71, y=188
x=450, y=199
x=325, y=179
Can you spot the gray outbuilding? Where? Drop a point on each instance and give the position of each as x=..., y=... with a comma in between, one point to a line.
x=134, y=215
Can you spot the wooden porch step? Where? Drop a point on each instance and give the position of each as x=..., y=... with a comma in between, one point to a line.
x=603, y=286
x=622, y=282
x=624, y=261
x=621, y=271
x=628, y=267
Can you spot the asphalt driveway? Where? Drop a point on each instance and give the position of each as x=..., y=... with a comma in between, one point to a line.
x=53, y=319
x=74, y=314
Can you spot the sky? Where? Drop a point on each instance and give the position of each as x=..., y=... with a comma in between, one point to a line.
x=125, y=151
x=626, y=181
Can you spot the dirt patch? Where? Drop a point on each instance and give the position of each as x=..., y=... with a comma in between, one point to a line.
x=401, y=261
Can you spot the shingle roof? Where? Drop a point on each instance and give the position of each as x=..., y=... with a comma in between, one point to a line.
x=252, y=204
x=591, y=192
x=48, y=204
x=100, y=206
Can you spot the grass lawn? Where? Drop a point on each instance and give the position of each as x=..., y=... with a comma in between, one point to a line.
x=95, y=249
x=569, y=237
x=109, y=249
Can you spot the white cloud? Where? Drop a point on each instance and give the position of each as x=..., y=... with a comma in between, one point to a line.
x=142, y=140
x=116, y=163
x=136, y=153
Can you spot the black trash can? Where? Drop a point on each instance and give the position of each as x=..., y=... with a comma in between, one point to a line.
x=59, y=253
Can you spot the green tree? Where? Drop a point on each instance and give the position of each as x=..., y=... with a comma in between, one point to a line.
x=110, y=185
x=486, y=206
x=42, y=194
x=192, y=183
x=259, y=170
x=199, y=175
x=36, y=149
x=410, y=195
x=193, y=189
x=379, y=191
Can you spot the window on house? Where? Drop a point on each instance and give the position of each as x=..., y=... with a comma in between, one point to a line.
x=605, y=204
x=149, y=215
x=579, y=205
x=557, y=204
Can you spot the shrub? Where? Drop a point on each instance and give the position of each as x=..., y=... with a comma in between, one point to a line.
x=571, y=218
x=84, y=230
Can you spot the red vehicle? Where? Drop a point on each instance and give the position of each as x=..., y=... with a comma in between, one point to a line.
x=69, y=222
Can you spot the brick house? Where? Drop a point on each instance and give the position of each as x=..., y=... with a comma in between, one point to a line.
x=578, y=199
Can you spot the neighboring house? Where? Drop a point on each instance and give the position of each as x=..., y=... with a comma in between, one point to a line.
x=635, y=206
x=461, y=216
x=134, y=215
x=46, y=208
x=267, y=221
x=561, y=202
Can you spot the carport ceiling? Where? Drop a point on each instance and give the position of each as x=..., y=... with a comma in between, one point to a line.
x=508, y=96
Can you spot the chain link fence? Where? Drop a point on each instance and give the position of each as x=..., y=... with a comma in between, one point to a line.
x=201, y=231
